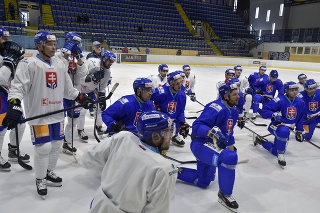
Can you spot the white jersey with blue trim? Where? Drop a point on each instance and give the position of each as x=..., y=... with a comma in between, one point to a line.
x=189, y=82
x=42, y=87
x=5, y=74
x=145, y=181
x=93, y=65
x=157, y=81
x=244, y=83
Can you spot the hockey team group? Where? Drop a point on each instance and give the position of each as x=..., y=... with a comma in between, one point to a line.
x=140, y=126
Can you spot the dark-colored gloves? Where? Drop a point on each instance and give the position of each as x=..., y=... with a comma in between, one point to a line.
x=249, y=90
x=12, y=55
x=109, y=81
x=13, y=115
x=217, y=135
x=184, y=129
x=300, y=136
x=98, y=75
x=102, y=101
x=259, y=92
x=276, y=118
x=84, y=100
x=118, y=127
x=241, y=122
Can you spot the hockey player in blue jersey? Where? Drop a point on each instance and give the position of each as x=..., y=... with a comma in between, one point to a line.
x=256, y=76
x=311, y=98
x=213, y=146
x=266, y=89
x=286, y=112
x=124, y=113
x=171, y=99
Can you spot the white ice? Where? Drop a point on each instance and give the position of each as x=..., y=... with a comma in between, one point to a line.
x=260, y=186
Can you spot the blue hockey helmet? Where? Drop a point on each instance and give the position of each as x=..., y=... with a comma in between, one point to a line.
x=186, y=67
x=310, y=84
x=235, y=81
x=289, y=85
x=226, y=88
x=183, y=75
x=173, y=76
x=110, y=56
x=72, y=36
x=150, y=122
x=141, y=83
x=237, y=67
x=263, y=67
x=274, y=74
x=230, y=71
x=163, y=67
x=42, y=36
x=4, y=33
x=300, y=76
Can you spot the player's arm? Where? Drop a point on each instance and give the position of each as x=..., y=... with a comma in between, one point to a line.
x=272, y=106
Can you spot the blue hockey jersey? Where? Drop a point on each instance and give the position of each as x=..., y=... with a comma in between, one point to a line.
x=311, y=103
x=254, y=78
x=269, y=88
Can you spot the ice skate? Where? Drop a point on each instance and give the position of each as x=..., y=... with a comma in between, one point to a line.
x=83, y=136
x=177, y=140
x=67, y=149
x=4, y=165
x=257, y=140
x=228, y=201
x=13, y=154
x=281, y=160
x=53, y=180
x=41, y=185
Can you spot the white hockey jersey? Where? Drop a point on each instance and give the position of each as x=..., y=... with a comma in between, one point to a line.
x=157, y=81
x=189, y=82
x=93, y=64
x=81, y=70
x=134, y=178
x=42, y=88
x=244, y=83
x=5, y=73
x=300, y=87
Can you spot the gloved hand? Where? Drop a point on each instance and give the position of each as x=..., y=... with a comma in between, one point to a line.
x=72, y=68
x=216, y=134
x=241, y=122
x=249, y=90
x=77, y=52
x=98, y=75
x=68, y=46
x=109, y=81
x=300, y=136
x=193, y=97
x=118, y=127
x=12, y=55
x=13, y=115
x=276, y=118
x=84, y=100
x=188, y=91
x=184, y=129
x=102, y=102
x=309, y=116
x=259, y=91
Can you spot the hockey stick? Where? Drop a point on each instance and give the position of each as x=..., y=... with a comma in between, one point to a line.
x=313, y=144
x=195, y=111
x=259, y=136
x=257, y=124
x=70, y=108
x=20, y=162
x=198, y=102
x=191, y=117
x=72, y=121
x=96, y=116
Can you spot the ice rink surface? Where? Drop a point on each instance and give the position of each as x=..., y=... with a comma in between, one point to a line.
x=260, y=186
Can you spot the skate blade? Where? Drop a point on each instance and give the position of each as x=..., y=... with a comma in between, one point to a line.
x=103, y=136
x=15, y=160
x=43, y=197
x=84, y=141
x=282, y=167
x=68, y=152
x=52, y=184
x=230, y=209
x=5, y=170
x=178, y=145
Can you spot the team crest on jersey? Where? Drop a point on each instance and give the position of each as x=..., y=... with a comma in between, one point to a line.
x=172, y=107
x=51, y=80
x=291, y=113
x=136, y=118
x=229, y=125
x=269, y=88
x=313, y=106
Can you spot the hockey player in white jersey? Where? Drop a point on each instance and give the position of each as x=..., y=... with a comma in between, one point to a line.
x=302, y=78
x=95, y=83
x=71, y=55
x=229, y=73
x=42, y=83
x=10, y=54
x=189, y=82
x=160, y=79
x=135, y=177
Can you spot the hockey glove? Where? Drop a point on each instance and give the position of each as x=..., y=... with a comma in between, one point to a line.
x=184, y=129
x=102, y=101
x=77, y=52
x=193, y=97
x=84, y=100
x=249, y=91
x=118, y=127
x=259, y=92
x=13, y=115
x=217, y=135
x=68, y=46
x=276, y=118
x=300, y=136
x=72, y=68
x=109, y=81
x=12, y=55
x=241, y=122
x=98, y=75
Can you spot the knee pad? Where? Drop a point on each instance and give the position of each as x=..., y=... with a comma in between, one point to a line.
x=43, y=149
x=282, y=133
x=228, y=159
